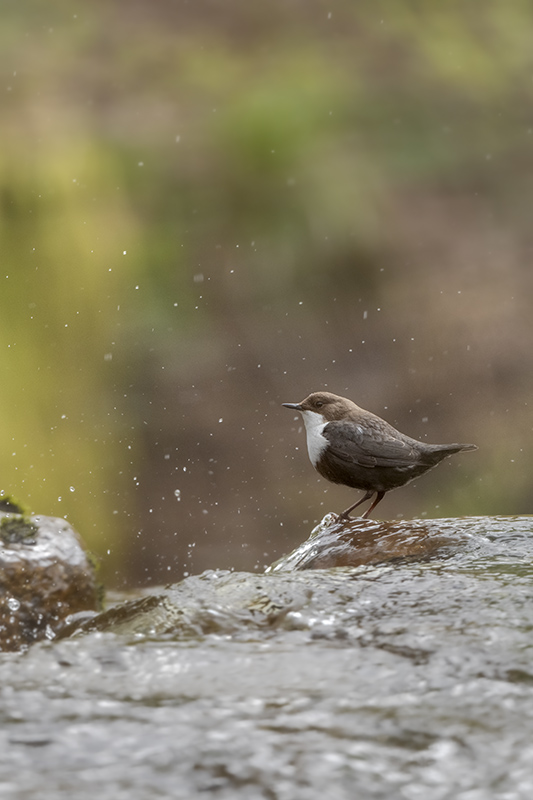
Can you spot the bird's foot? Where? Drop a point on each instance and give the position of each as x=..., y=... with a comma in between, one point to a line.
x=342, y=518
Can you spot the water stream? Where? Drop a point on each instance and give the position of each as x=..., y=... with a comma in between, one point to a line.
x=410, y=679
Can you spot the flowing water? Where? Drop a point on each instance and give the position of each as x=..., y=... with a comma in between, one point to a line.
x=406, y=679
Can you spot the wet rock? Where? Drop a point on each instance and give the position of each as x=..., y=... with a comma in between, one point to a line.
x=45, y=575
x=361, y=542
x=229, y=603
x=217, y=602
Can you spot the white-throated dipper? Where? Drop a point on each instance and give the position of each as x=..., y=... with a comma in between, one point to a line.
x=349, y=445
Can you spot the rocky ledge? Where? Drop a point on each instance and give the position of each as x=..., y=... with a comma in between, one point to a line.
x=45, y=577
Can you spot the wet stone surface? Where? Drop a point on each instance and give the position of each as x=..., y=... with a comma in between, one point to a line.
x=367, y=541
x=45, y=576
x=403, y=679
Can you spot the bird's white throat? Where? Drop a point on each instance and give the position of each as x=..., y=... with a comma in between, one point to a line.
x=316, y=442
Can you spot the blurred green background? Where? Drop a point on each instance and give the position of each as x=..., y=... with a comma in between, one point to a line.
x=210, y=208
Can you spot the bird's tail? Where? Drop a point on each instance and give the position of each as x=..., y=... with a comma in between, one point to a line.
x=437, y=452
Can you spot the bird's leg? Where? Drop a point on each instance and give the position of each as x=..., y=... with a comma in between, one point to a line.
x=379, y=498
x=368, y=495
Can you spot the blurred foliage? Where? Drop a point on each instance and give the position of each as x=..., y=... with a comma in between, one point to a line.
x=336, y=192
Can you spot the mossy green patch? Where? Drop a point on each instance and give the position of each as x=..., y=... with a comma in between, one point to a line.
x=17, y=529
x=10, y=505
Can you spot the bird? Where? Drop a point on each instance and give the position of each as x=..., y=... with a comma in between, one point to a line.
x=356, y=448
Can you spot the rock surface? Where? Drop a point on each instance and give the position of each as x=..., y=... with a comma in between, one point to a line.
x=228, y=602
x=45, y=576
x=359, y=542
x=218, y=602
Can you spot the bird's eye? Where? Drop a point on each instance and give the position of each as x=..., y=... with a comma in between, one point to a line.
x=319, y=404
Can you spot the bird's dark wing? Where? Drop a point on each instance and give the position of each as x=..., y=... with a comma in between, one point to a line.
x=369, y=445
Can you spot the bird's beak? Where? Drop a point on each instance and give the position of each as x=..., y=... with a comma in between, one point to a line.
x=296, y=406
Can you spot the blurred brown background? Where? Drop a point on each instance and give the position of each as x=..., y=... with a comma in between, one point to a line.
x=210, y=208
